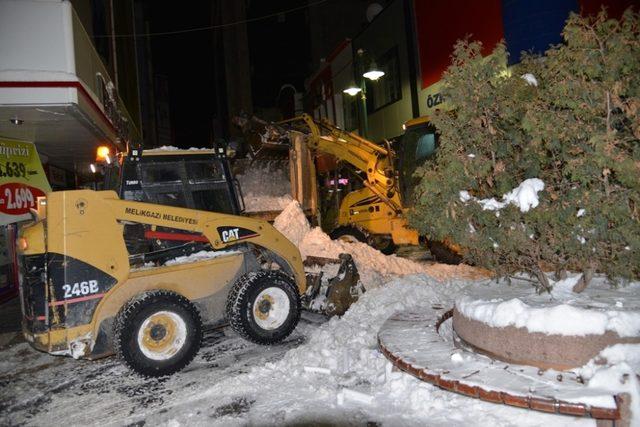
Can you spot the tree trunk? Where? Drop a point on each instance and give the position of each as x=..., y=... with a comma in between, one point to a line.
x=582, y=284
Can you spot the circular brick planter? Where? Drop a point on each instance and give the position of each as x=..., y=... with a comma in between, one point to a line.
x=518, y=345
x=423, y=344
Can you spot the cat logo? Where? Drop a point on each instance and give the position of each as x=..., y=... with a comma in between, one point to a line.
x=230, y=235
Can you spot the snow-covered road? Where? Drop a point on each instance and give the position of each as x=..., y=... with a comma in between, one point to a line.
x=40, y=389
x=328, y=372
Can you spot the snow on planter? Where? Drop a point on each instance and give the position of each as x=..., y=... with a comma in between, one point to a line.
x=598, y=309
x=562, y=330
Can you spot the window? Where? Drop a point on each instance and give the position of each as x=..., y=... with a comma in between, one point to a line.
x=426, y=146
x=417, y=146
x=162, y=173
x=350, y=106
x=190, y=183
x=205, y=171
x=388, y=88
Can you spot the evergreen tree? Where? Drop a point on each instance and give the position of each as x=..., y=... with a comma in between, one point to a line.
x=570, y=118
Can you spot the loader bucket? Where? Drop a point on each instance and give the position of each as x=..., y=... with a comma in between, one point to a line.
x=332, y=284
x=265, y=142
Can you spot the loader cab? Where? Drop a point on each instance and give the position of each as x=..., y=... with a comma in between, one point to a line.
x=194, y=179
x=417, y=146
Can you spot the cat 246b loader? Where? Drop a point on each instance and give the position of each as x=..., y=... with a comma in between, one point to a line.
x=85, y=294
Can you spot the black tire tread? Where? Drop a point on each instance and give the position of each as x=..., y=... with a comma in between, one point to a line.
x=361, y=236
x=133, y=306
x=236, y=300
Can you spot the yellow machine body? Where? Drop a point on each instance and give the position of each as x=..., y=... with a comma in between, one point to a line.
x=77, y=272
x=377, y=208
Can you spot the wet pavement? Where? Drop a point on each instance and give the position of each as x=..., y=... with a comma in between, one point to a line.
x=40, y=389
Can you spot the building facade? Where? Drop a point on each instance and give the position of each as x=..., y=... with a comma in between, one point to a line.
x=412, y=42
x=67, y=86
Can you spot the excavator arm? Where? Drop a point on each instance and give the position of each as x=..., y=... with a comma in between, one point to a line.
x=376, y=161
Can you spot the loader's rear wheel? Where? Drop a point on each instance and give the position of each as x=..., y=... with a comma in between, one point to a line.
x=264, y=307
x=351, y=234
x=158, y=333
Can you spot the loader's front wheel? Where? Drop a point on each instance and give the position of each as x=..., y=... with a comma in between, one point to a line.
x=158, y=333
x=264, y=307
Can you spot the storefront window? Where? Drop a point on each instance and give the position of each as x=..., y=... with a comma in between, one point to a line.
x=387, y=89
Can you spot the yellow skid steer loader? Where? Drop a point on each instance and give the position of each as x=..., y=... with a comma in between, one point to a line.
x=87, y=293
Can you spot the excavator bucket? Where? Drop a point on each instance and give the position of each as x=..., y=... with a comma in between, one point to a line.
x=265, y=142
x=332, y=284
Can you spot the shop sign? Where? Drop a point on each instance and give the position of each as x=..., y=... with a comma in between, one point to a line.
x=22, y=180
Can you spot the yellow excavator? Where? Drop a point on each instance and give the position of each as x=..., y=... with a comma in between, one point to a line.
x=88, y=290
x=376, y=213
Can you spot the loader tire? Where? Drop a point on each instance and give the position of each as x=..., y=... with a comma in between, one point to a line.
x=264, y=307
x=352, y=234
x=157, y=333
x=444, y=254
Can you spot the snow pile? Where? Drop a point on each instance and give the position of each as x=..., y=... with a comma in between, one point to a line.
x=616, y=369
x=292, y=223
x=374, y=267
x=338, y=377
x=596, y=310
x=524, y=196
x=265, y=186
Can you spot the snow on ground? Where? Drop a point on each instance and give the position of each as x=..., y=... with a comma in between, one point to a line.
x=265, y=186
x=325, y=373
x=374, y=267
x=338, y=377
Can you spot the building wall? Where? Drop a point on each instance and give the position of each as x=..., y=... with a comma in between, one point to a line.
x=332, y=21
x=95, y=17
x=523, y=25
x=385, y=34
x=434, y=28
x=127, y=67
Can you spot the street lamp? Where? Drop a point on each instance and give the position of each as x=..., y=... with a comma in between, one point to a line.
x=352, y=89
x=373, y=73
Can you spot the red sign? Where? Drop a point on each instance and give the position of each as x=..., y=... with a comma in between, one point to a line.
x=439, y=24
x=17, y=199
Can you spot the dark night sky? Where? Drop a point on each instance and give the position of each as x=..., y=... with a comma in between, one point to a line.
x=279, y=48
x=187, y=60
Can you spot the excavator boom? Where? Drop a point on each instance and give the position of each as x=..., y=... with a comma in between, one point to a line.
x=376, y=210
x=376, y=161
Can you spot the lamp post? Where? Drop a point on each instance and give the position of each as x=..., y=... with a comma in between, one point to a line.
x=372, y=73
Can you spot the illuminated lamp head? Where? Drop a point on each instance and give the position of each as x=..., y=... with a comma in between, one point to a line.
x=103, y=153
